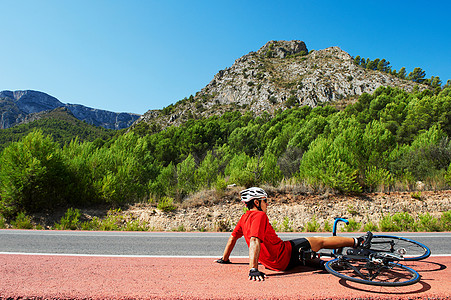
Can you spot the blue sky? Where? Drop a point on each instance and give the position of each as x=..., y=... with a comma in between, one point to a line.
x=136, y=55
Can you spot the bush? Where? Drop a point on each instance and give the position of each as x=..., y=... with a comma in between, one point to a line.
x=377, y=179
x=2, y=222
x=353, y=226
x=445, y=220
x=22, y=221
x=370, y=226
x=448, y=175
x=313, y=225
x=135, y=225
x=398, y=222
x=426, y=222
x=71, y=220
x=166, y=204
x=327, y=227
x=286, y=225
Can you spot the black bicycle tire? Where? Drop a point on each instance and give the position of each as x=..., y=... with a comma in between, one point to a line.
x=415, y=275
x=426, y=252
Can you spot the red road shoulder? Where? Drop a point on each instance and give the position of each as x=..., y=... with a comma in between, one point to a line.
x=39, y=276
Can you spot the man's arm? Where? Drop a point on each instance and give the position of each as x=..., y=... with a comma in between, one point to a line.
x=254, y=253
x=229, y=247
x=228, y=250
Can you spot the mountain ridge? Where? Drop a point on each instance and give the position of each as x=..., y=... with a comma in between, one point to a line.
x=17, y=106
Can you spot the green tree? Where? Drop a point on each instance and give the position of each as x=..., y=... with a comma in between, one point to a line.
x=208, y=170
x=402, y=73
x=243, y=170
x=417, y=75
x=33, y=176
x=384, y=66
x=186, y=181
x=323, y=165
x=165, y=183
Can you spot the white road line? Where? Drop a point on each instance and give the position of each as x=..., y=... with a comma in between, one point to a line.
x=140, y=256
x=115, y=255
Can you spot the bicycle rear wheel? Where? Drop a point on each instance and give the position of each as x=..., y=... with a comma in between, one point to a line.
x=412, y=250
x=365, y=272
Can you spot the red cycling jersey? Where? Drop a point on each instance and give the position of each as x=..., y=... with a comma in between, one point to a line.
x=274, y=253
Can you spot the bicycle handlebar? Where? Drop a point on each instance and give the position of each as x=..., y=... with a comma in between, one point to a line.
x=337, y=220
x=334, y=231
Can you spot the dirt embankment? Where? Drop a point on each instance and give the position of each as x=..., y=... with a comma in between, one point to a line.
x=289, y=211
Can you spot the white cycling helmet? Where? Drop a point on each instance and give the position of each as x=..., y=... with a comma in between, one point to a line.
x=252, y=193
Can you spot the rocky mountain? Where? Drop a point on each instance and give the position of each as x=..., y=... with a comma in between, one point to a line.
x=17, y=107
x=279, y=75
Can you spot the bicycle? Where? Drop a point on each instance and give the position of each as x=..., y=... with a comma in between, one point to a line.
x=378, y=265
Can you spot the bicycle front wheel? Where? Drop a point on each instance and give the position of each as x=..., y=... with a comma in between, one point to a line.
x=365, y=272
x=409, y=249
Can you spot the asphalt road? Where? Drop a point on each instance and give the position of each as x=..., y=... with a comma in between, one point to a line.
x=143, y=265
x=193, y=244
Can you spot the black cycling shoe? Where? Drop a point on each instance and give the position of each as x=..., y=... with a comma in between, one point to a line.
x=366, y=240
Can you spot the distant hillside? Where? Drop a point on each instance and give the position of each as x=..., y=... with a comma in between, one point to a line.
x=16, y=106
x=60, y=123
x=280, y=75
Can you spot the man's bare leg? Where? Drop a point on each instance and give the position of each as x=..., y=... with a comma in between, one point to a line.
x=332, y=242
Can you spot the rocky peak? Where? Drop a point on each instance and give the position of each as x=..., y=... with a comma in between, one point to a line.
x=31, y=101
x=282, y=49
x=280, y=75
x=16, y=106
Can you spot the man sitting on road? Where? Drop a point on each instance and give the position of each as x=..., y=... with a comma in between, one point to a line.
x=268, y=249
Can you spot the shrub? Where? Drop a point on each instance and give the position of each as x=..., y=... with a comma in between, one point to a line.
x=113, y=221
x=286, y=225
x=166, y=204
x=370, y=226
x=398, y=222
x=353, y=226
x=327, y=227
x=165, y=183
x=448, y=175
x=22, y=221
x=135, y=225
x=220, y=185
x=313, y=225
x=416, y=195
x=377, y=178
x=2, y=222
x=71, y=220
x=445, y=220
x=426, y=222
x=208, y=171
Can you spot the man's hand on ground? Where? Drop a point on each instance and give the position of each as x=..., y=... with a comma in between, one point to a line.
x=222, y=261
x=256, y=275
